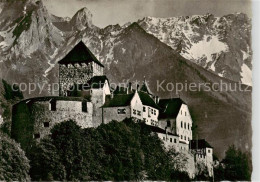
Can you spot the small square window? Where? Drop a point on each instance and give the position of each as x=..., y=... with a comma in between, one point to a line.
x=46, y=124
x=208, y=151
x=36, y=135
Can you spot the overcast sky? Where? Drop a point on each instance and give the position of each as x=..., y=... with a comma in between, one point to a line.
x=107, y=12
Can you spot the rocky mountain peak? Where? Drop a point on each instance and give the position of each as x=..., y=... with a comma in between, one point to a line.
x=82, y=19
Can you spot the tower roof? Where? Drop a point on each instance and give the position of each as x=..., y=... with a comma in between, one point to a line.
x=79, y=54
x=145, y=87
x=170, y=107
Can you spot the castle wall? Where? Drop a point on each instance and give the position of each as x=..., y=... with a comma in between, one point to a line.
x=73, y=74
x=97, y=69
x=116, y=113
x=170, y=141
x=41, y=115
x=150, y=115
x=184, y=124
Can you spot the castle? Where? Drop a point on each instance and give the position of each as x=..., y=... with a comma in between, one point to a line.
x=94, y=103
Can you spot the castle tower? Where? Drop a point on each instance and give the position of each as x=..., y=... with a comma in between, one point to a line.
x=77, y=67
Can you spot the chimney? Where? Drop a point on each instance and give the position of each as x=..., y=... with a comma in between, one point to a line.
x=130, y=87
x=157, y=99
x=112, y=95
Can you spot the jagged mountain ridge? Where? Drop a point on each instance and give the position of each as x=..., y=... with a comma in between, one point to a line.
x=128, y=53
x=219, y=44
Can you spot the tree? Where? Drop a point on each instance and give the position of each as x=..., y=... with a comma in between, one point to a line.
x=236, y=165
x=45, y=162
x=14, y=166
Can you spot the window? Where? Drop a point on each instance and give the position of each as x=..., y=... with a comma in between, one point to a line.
x=46, y=124
x=181, y=136
x=184, y=137
x=175, y=141
x=188, y=126
x=181, y=124
x=208, y=151
x=52, y=105
x=188, y=138
x=134, y=111
x=84, y=106
x=181, y=112
x=144, y=109
x=185, y=125
x=36, y=135
x=185, y=113
x=163, y=138
x=168, y=123
x=139, y=113
x=121, y=111
x=170, y=139
x=154, y=112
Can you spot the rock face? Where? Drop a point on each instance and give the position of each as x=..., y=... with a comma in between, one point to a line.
x=219, y=44
x=164, y=50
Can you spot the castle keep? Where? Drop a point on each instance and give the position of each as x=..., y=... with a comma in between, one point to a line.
x=94, y=103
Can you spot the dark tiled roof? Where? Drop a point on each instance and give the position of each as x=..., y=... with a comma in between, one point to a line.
x=118, y=100
x=170, y=107
x=49, y=98
x=199, y=144
x=96, y=82
x=125, y=99
x=80, y=54
x=159, y=130
x=147, y=100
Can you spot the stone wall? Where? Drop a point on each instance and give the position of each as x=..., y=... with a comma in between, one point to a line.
x=33, y=119
x=72, y=74
x=116, y=113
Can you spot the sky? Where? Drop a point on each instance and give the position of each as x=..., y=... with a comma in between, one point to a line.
x=107, y=12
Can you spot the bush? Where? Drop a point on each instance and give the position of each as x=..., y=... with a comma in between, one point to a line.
x=14, y=166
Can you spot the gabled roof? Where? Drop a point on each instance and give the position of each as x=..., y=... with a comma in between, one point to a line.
x=125, y=99
x=147, y=100
x=170, y=107
x=79, y=54
x=118, y=100
x=199, y=144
